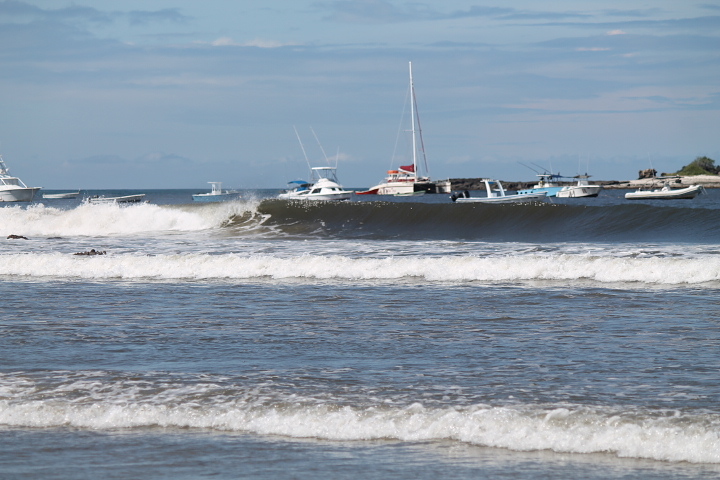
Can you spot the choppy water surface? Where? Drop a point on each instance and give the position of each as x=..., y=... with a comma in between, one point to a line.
x=415, y=338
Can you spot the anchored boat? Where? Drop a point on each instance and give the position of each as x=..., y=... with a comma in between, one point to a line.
x=497, y=194
x=12, y=189
x=406, y=179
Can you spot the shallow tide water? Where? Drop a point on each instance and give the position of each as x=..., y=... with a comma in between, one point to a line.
x=369, y=339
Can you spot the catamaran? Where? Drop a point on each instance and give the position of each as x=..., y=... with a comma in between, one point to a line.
x=406, y=180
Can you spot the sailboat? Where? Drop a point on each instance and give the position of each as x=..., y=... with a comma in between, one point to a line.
x=406, y=180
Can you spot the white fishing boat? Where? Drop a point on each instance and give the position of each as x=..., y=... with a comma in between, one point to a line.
x=12, y=189
x=497, y=194
x=63, y=195
x=323, y=185
x=122, y=199
x=666, y=192
x=407, y=179
x=216, y=194
x=581, y=189
x=547, y=183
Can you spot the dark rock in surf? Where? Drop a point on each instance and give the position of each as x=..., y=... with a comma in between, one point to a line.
x=92, y=252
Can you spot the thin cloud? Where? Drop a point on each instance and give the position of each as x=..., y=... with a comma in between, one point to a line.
x=18, y=11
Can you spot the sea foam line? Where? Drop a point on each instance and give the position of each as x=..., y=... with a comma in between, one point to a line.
x=525, y=428
x=200, y=266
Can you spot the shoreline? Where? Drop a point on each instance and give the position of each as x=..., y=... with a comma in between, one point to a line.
x=707, y=181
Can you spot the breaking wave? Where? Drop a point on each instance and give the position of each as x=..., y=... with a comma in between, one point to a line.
x=376, y=220
x=455, y=269
x=99, y=403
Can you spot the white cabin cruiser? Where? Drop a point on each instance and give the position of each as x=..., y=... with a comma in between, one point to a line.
x=582, y=189
x=322, y=186
x=497, y=194
x=12, y=189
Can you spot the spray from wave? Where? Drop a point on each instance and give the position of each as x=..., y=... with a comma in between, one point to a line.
x=121, y=220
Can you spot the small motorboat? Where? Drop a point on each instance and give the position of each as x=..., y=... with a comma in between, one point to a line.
x=665, y=193
x=547, y=184
x=55, y=196
x=12, y=189
x=123, y=199
x=582, y=189
x=497, y=194
x=323, y=186
x=216, y=194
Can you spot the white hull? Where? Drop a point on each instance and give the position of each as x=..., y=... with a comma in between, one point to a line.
x=61, y=195
x=343, y=195
x=395, y=188
x=577, y=191
x=666, y=193
x=17, y=194
x=123, y=199
x=517, y=198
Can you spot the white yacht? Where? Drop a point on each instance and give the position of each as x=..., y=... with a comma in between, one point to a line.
x=322, y=186
x=407, y=179
x=12, y=189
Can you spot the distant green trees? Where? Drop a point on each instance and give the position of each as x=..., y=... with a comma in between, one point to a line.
x=700, y=166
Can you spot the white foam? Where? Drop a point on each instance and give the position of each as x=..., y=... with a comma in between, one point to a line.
x=456, y=269
x=113, y=219
x=689, y=438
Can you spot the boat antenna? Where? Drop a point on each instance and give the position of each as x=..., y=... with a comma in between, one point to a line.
x=528, y=166
x=302, y=147
x=321, y=147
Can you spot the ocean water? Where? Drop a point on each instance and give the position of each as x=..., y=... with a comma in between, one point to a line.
x=405, y=338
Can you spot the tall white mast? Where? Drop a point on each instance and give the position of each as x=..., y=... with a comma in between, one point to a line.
x=412, y=114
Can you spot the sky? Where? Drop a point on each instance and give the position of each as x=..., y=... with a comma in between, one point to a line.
x=175, y=93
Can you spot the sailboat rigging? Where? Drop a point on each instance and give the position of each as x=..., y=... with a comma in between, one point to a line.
x=406, y=179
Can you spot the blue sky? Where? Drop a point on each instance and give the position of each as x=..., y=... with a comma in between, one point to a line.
x=175, y=93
